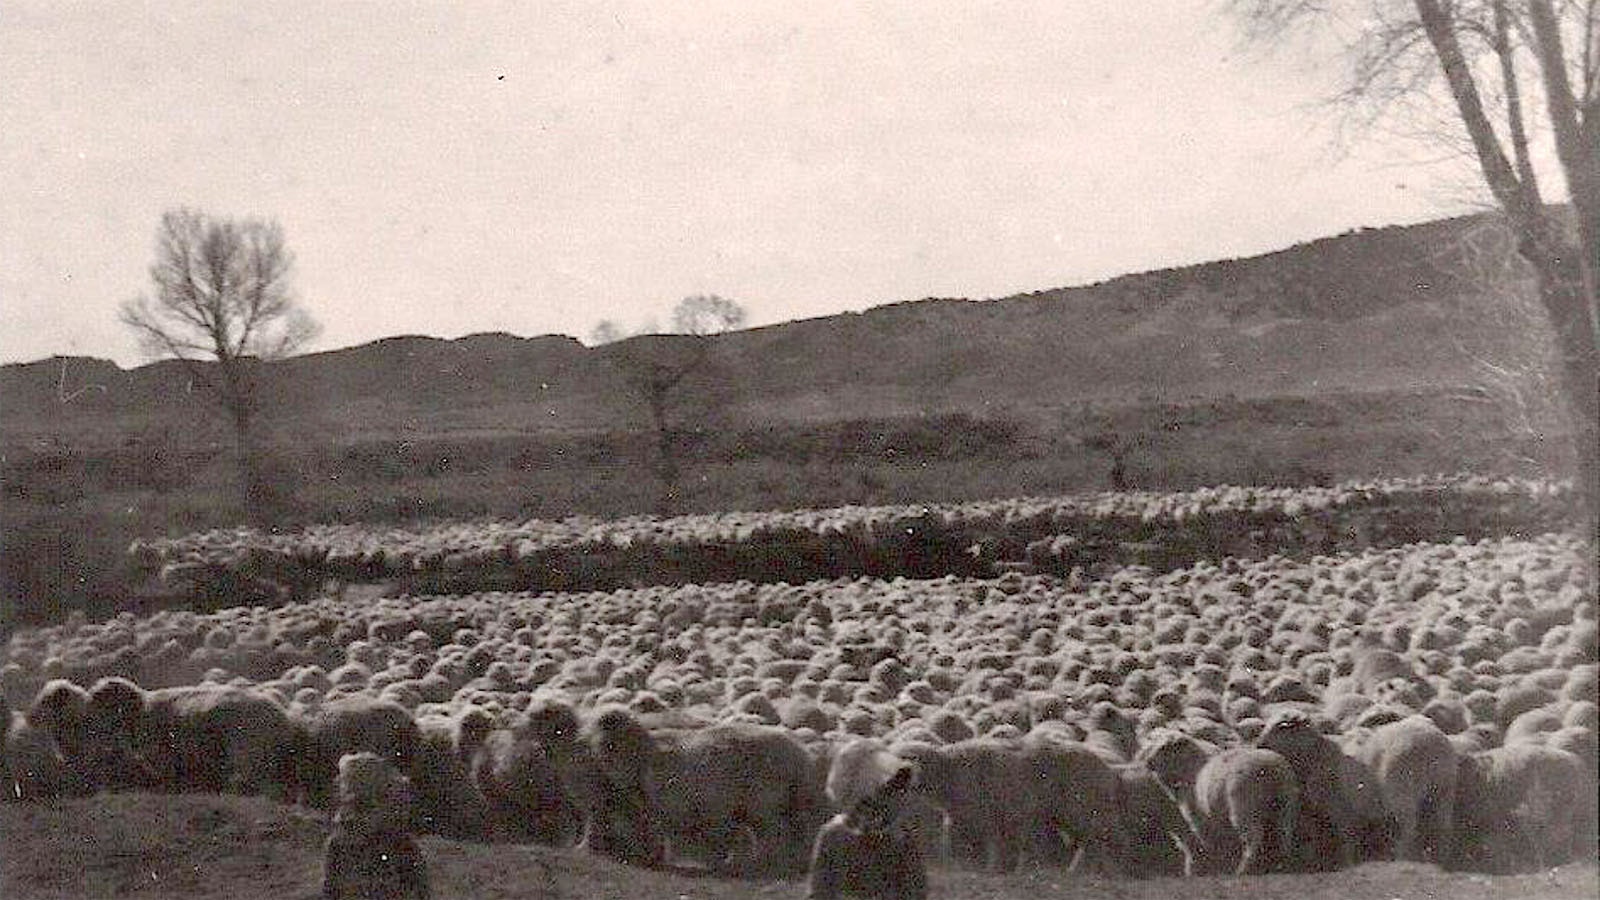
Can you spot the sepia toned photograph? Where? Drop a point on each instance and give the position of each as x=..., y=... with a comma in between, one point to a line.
x=896, y=449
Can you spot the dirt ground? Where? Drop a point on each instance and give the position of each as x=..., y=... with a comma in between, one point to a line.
x=229, y=848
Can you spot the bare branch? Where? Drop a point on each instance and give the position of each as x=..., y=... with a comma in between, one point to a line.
x=222, y=297
x=1506, y=51
x=1391, y=70
x=1589, y=68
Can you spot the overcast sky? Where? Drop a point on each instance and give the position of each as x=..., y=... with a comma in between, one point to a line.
x=446, y=169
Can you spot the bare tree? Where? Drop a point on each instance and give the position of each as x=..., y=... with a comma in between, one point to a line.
x=605, y=331
x=703, y=314
x=658, y=369
x=222, y=304
x=1476, y=59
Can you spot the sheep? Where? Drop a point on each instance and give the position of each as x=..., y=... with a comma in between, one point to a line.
x=60, y=711
x=983, y=787
x=1533, y=723
x=950, y=726
x=523, y=791
x=1340, y=800
x=1415, y=765
x=369, y=852
x=612, y=805
x=1523, y=806
x=1078, y=798
x=202, y=737
x=708, y=787
x=1372, y=666
x=867, y=851
x=34, y=768
x=872, y=762
x=1111, y=734
x=448, y=801
x=347, y=725
x=857, y=770
x=1580, y=742
x=112, y=727
x=1156, y=837
x=1242, y=794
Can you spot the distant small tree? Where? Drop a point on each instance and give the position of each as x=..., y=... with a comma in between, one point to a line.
x=1114, y=444
x=657, y=368
x=606, y=331
x=222, y=304
x=703, y=314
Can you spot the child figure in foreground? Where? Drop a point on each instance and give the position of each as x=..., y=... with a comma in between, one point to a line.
x=868, y=851
x=370, y=853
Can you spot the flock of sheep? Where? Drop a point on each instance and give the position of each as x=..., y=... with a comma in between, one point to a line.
x=1433, y=702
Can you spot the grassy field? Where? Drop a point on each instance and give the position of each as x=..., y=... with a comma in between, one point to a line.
x=229, y=848
x=69, y=509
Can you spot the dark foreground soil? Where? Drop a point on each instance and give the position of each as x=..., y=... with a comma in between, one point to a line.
x=230, y=848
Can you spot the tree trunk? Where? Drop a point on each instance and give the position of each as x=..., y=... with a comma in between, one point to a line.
x=1576, y=123
x=666, y=456
x=1564, y=294
x=252, y=486
x=1565, y=272
x=239, y=400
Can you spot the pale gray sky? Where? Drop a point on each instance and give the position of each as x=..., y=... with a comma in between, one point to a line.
x=451, y=168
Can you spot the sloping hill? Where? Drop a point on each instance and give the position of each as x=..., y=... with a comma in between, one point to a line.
x=1371, y=310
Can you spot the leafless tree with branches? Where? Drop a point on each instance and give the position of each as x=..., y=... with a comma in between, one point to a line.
x=222, y=304
x=657, y=368
x=1482, y=65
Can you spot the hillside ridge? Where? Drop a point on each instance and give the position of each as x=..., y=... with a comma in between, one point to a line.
x=1330, y=315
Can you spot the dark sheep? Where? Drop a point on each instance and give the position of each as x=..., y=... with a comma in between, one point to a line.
x=606, y=768
x=1079, y=800
x=61, y=711
x=523, y=791
x=34, y=766
x=984, y=787
x=370, y=853
x=1341, y=805
x=448, y=802
x=113, y=717
x=350, y=725
x=867, y=851
x=1157, y=839
x=203, y=737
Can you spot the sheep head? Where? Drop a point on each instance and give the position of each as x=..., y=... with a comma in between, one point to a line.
x=1176, y=762
x=1294, y=736
x=472, y=728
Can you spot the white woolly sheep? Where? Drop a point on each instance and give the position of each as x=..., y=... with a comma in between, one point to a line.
x=1522, y=808
x=1237, y=796
x=1415, y=765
